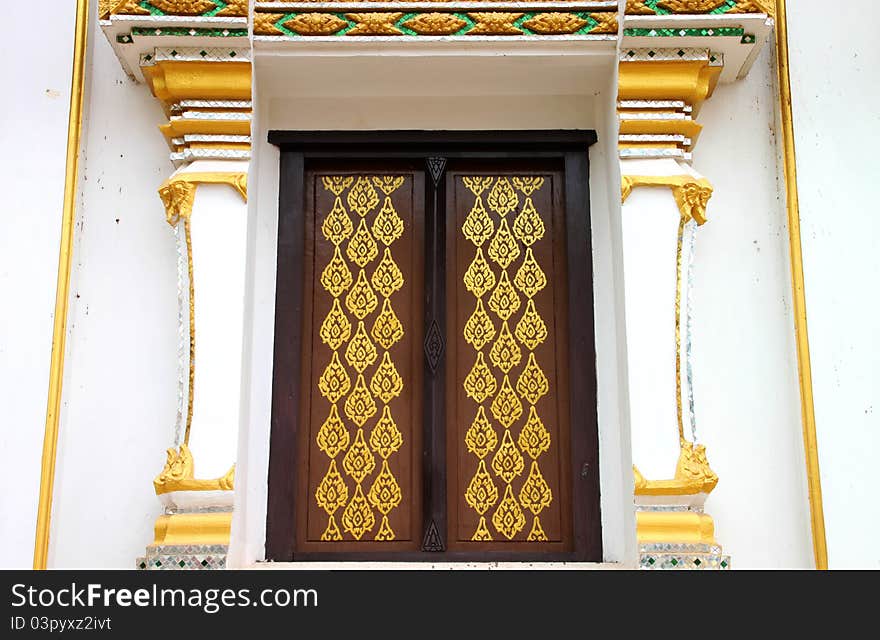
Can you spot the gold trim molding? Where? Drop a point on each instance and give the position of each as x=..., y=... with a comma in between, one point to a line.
x=192, y=529
x=691, y=194
x=799, y=303
x=179, y=475
x=62, y=291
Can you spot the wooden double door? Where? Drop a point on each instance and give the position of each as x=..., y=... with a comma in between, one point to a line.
x=434, y=373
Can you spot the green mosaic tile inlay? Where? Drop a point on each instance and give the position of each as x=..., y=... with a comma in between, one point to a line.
x=182, y=31
x=220, y=5
x=671, y=33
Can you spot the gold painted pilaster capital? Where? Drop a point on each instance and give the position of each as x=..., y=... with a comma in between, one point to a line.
x=179, y=475
x=179, y=191
x=691, y=194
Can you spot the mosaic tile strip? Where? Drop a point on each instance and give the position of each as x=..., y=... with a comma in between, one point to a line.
x=486, y=23
x=183, y=557
x=188, y=155
x=712, y=32
x=654, y=115
x=128, y=38
x=712, y=7
x=680, y=562
x=192, y=54
x=211, y=104
x=648, y=55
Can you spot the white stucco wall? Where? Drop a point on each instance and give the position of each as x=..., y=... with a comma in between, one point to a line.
x=745, y=378
x=120, y=373
x=34, y=134
x=835, y=90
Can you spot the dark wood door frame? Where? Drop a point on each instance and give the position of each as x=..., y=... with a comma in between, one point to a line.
x=570, y=147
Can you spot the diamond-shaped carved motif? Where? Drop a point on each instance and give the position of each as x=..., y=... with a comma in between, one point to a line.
x=434, y=345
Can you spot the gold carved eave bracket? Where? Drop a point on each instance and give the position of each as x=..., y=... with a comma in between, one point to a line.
x=691, y=194
x=178, y=192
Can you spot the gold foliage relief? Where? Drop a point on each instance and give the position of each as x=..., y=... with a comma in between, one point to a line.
x=505, y=353
x=362, y=248
x=532, y=383
x=332, y=436
x=478, y=330
x=479, y=383
x=502, y=198
x=360, y=406
x=386, y=383
x=358, y=518
x=332, y=492
x=516, y=279
x=387, y=278
x=363, y=197
x=435, y=24
x=555, y=23
x=336, y=328
x=481, y=492
x=361, y=300
x=504, y=300
x=337, y=226
x=334, y=382
x=361, y=352
x=478, y=226
x=359, y=461
x=387, y=329
x=506, y=407
x=508, y=518
x=385, y=438
x=336, y=277
x=503, y=249
x=481, y=438
x=343, y=430
x=479, y=278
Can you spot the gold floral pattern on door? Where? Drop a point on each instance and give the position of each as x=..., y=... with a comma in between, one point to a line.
x=361, y=378
x=506, y=377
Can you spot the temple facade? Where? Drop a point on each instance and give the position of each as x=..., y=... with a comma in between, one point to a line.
x=443, y=283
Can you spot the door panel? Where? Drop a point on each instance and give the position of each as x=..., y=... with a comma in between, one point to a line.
x=362, y=360
x=507, y=388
